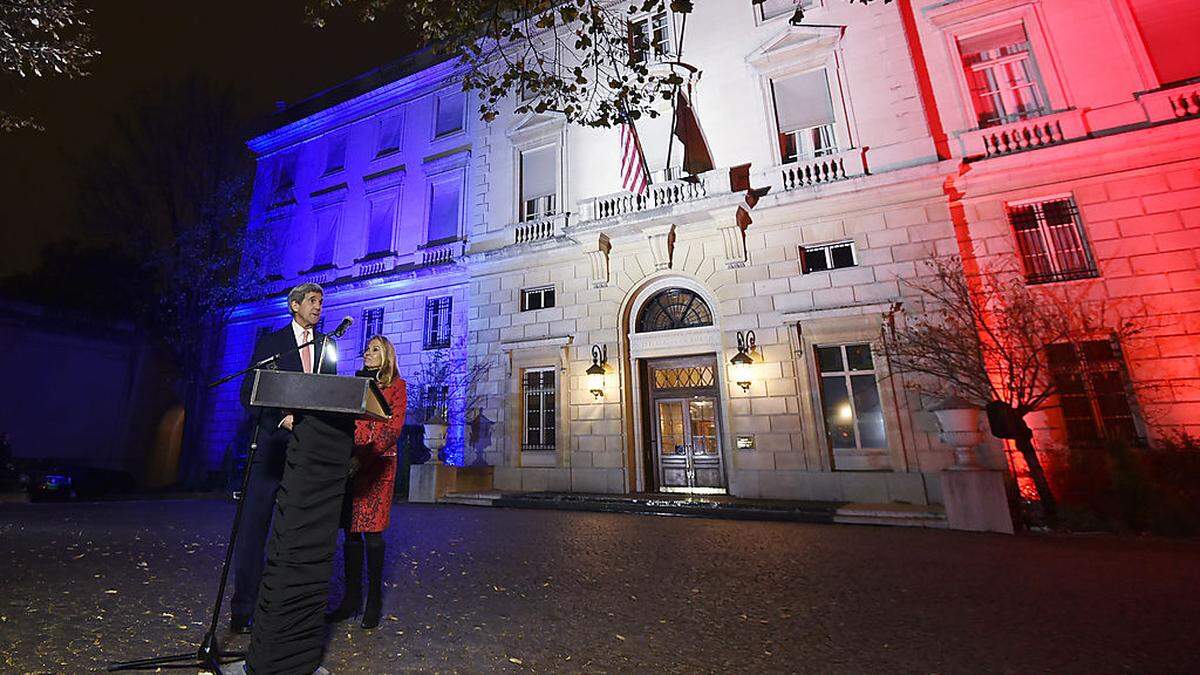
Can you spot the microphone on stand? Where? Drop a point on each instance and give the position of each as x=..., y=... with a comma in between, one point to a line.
x=342, y=328
x=337, y=333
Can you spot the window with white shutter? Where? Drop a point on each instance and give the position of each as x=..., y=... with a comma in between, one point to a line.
x=539, y=183
x=804, y=116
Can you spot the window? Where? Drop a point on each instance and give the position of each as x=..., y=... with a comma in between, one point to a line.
x=372, y=322
x=1168, y=28
x=285, y=177
x=674, y=308
x=381, y=225
x=539, y=183
x=804, y=116
x=539, y=409
x=1092, y=389
x=449, y=114
x=650, y=37
x=328, y=220
x=537, y=298
x=437, y=323
x=770, y=9
x=335, y=154
x=445, y=199
x=850, y=397
x=827, y=257
x=389, y=135
x=1051, y=240
x=1003, y=76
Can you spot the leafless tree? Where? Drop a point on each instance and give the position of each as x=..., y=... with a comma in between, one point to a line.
x=984, y=336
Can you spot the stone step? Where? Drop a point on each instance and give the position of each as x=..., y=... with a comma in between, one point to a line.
x=902, y=515
x=485, y=498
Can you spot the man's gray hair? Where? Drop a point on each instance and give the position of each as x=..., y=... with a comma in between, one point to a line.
x=300, y=292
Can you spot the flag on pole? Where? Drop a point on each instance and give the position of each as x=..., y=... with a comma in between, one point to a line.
x=697, y=158
x=633, y=164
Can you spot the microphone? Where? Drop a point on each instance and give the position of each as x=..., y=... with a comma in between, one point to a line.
x=342, y=328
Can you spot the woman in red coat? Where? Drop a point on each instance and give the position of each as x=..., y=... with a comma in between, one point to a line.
x=372, y=482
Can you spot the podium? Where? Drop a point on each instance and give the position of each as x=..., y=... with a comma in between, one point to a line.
x=300, y=551
x=308, y=392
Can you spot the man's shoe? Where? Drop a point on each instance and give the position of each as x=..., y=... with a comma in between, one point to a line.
x=240, y=625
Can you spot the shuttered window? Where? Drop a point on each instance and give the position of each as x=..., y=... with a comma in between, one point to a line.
x=449, y=116
x=445, y=200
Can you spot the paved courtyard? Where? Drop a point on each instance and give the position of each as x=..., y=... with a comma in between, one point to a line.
x=476, y=590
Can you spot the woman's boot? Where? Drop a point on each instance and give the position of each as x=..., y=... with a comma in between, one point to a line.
x=374, y=605
x=352, y=600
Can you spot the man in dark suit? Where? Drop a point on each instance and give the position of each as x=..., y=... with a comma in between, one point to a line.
x=275, y=431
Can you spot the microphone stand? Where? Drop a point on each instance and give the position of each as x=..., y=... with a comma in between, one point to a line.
x=208, y=656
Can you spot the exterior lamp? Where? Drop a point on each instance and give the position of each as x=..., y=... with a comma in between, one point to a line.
x=595, y=372
x=742, y=361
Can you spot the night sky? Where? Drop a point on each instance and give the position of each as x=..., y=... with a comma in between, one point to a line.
x=261, y=47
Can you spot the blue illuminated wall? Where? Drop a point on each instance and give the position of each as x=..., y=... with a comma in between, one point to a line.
x=344, y=194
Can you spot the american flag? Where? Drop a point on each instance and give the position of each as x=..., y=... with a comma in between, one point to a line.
x=633, y=171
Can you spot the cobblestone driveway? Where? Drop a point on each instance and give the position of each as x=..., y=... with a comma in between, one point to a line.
x=476, y=590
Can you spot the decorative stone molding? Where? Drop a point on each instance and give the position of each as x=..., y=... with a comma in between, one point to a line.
x=675, y=342
x=662, y=245
x=558, y=341
x=733, y=235
x=597, y=254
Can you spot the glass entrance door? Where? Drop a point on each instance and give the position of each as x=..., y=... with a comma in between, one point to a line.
x=687, y=445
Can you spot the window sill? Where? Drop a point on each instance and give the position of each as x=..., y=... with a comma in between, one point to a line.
x=1062, y=277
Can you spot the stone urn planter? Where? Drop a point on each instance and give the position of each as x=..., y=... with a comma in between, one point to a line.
x=959, y=420
x=974, y=497
x=435, y=439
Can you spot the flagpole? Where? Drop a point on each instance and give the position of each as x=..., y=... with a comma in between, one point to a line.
x=675, y=94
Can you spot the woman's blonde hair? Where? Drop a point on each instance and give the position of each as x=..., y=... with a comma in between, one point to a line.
x=387, y=368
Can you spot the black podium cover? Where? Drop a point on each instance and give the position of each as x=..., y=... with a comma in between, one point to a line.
x=289, y=629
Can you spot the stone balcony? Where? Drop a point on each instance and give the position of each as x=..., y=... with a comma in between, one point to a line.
x=1023, y=135
x=440, y=254
x=541, y=229
x=816, y=171
x=658, y=195
x=1173, y=103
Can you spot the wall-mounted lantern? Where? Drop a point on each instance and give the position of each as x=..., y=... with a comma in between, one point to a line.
x=595, y=372
x=742, y=361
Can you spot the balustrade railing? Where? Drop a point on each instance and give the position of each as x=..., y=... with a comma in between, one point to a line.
x=1175, y=103
x=1022, y=135
x=540, y=229
x=658, y=195
x=818, y=170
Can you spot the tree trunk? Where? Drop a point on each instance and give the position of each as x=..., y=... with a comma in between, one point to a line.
x=192, y=465
x=1045, y=494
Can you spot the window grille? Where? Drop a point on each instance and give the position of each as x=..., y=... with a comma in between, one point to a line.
x=437, y=323
x=1093, y=391
x=436, y=401
x=1051, y=240
x=372, y=325
x=539, y=395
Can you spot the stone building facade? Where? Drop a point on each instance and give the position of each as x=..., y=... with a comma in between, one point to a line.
x=1059, y=137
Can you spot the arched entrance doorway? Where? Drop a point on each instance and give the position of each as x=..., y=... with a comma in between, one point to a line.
x=674, y=349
